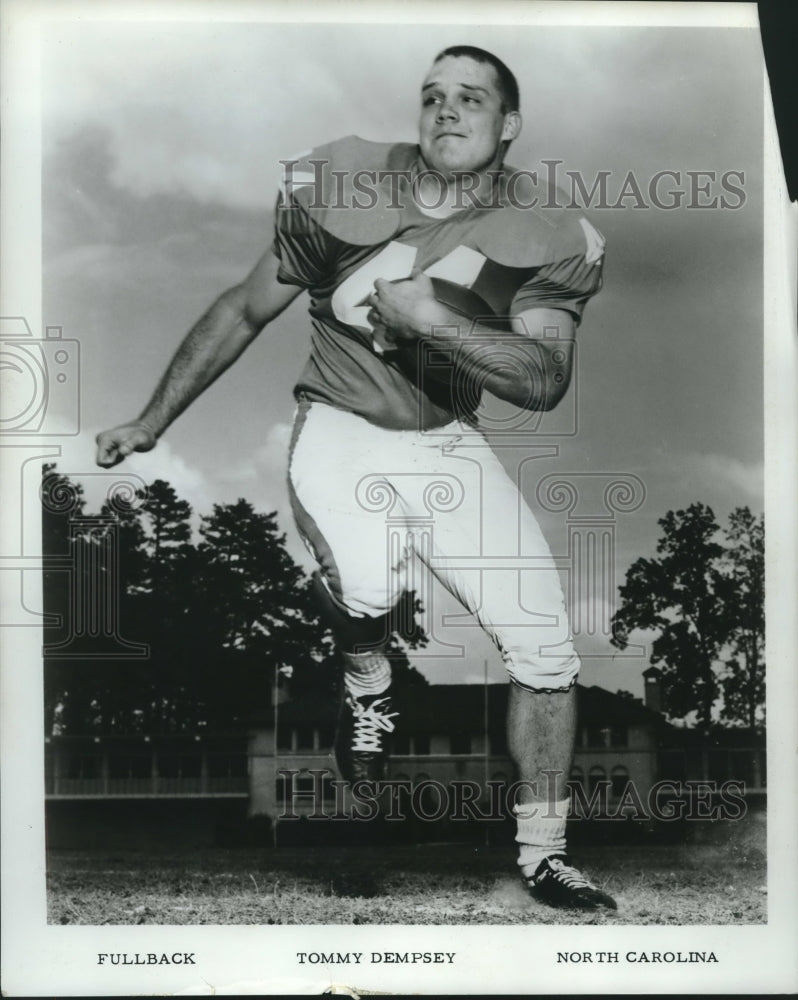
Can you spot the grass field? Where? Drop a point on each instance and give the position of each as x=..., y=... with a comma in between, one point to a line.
x=719, y=880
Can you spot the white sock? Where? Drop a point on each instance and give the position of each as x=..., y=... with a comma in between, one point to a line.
x=541, y=832
x=366, y=673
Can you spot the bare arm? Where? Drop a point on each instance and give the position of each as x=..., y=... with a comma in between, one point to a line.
x=529, y=366
x=209, y=348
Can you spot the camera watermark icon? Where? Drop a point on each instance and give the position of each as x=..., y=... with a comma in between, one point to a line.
x=39, y=381
x=548, y=367
x=89, y=622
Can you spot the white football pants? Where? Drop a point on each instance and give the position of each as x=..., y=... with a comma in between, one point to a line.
x=367, y=499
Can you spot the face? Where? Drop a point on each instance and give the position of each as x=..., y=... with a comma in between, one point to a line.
x=462, y=124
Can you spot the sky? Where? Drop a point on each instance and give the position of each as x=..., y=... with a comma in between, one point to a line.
x=161, y=144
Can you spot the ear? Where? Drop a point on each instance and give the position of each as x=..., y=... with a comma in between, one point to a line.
x=512, y=126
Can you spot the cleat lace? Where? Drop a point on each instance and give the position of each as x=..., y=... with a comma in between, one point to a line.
x=559, y=871
x=568, y=875
x=369, y=722
x=558, y=883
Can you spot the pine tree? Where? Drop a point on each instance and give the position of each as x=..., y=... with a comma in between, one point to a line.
x=63, y=502
x=256, y=605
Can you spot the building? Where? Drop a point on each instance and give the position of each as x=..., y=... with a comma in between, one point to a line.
x=102, y=789
x=449, y=733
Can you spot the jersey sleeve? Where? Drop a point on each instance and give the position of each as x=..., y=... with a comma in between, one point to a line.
x=570, y=271
x=319, y=208
x=300, y=244
x=562, y=284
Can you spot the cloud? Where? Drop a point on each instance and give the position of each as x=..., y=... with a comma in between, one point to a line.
x=173, y=95
x=745, y=479
x=76, y=461
x=269, y=462
x=722, y=481
x=97, y=229
x=263, y=480
x=163, y=462
x=262, y=477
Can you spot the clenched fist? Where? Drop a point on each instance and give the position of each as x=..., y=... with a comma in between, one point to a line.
x=116, y=444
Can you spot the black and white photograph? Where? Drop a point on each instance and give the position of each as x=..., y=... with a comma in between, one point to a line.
x=394, y=402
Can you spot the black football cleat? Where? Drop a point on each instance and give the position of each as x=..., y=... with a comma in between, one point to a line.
x=361, y=736
x=557, y=883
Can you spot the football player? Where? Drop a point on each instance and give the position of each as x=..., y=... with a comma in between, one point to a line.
x=435, y=272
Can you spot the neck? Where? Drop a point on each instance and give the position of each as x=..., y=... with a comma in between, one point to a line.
x=440, y=194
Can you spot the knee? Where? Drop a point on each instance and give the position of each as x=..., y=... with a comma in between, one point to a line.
x=354, y=633
x=544, y=674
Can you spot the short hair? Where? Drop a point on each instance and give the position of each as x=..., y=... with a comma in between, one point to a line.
x=508, y=85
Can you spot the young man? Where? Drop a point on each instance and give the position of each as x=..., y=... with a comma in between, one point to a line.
x=434, y=273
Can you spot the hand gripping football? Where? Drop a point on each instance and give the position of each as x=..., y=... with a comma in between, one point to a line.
x=460, y=300
x=468, y=304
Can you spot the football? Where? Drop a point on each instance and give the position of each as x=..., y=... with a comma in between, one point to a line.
x=430, y=363
x=461, y=300
x=468, y=304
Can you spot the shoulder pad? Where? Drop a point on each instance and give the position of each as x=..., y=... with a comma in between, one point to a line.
x=532, y=227
x=338, y=186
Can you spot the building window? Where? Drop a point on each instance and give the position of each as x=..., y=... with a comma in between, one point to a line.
x=304, y=737
x=173, y=765
x=400, y=743
x=403, y=780
x=498, y=741
x=83, y=766
x=747, y=766
x=460, y=743
x=326, y=737
x=284, y=737
x=619, y=779
x=431, y=798
x=327, y=788
x=619, y=736
x=421, y=745
x=124, y=765
x=577, y=776
x=672, y=765
x=596, y=775
x=718, y=765
x=297, y=785
x=227, y=765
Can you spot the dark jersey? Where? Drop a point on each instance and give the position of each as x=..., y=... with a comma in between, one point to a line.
x=347, y=215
